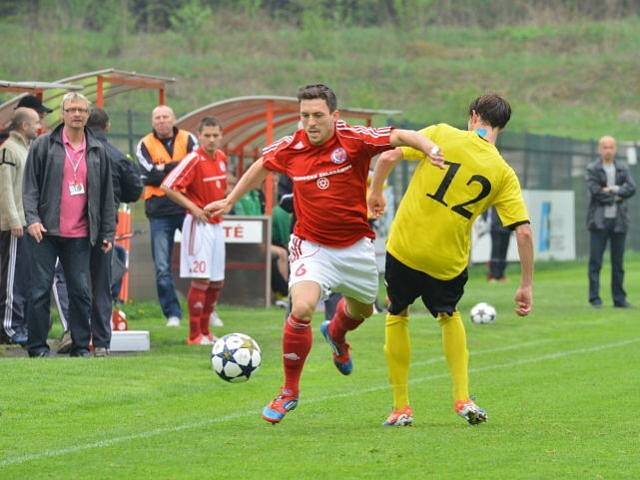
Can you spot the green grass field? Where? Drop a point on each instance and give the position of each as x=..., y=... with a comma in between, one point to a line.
x=561, y=388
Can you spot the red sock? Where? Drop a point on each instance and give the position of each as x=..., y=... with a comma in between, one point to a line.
x=296, y=343
x=212, y=294
x=341, y=323
x=196, y=299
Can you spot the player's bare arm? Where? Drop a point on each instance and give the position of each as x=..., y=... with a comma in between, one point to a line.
x=411, y=138
x=183, y=201
x=524, y=294
x=384, y=165
x=251, y=179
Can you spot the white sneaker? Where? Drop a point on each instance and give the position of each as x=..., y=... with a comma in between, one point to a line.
x=173, y=322
x=214, y=320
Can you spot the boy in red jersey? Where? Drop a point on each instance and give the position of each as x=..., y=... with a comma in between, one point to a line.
x=201, y=178
x=331, y=247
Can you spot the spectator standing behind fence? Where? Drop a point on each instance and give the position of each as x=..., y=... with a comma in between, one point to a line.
x=199, y=179
x=158, y=154
x=68, y=203
x=609, y=184
x=500, y=238
x=14, y=261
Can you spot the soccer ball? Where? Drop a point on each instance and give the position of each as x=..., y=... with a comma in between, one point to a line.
x=483, y=313
x=235, y=357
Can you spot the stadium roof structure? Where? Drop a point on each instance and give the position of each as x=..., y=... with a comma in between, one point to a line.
x=107, y=83
x=96, y=86
x=48, y=92
x=253, y=122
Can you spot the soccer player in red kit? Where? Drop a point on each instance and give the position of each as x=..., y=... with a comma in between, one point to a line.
x=331, y=247
x=199, y=179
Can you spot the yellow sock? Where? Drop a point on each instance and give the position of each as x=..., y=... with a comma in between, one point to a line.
x=397, y=348
x=454, y=343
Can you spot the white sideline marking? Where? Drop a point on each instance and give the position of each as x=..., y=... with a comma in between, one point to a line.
x=188, y=426
x=482, y=352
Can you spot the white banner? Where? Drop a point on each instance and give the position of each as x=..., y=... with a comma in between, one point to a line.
x=552, y=214
x=242, y=231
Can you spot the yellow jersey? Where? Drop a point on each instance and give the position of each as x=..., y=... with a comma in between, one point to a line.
x=431, y=231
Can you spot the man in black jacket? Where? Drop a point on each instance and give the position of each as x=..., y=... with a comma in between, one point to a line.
x=127, y=187
x=609, y=184
x=69, y=208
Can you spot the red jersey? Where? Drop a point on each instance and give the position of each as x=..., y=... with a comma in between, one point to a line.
x=329, y=181
x=201, y=178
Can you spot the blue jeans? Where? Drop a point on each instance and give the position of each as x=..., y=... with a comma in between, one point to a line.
x=162, y=232
x=74, y=255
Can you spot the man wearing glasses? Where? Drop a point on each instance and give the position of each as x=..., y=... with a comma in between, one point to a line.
x=68, y=203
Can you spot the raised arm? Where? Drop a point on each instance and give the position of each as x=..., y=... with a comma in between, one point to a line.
x=411, y=138
x=251, y=179
x=385, y=163
x=524, y=294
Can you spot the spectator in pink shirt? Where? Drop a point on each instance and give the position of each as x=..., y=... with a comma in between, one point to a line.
x=68, y=202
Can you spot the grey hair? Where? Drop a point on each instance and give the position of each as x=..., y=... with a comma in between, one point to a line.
x=74, y=96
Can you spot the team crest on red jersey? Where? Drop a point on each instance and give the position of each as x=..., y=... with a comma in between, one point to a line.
x=338, y=156
x=323, y=183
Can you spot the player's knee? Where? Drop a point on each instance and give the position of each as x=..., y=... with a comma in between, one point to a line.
x=357, y=310
x=366, y=312
x=200, y=284
x=301, y=308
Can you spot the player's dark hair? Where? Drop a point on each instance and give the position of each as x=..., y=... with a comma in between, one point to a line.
x=98, y=119
x=311, y=92
x=208, y=122
x=493, y=109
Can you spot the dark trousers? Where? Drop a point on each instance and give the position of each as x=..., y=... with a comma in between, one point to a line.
x=74, y=254
x=598, y=245
x=162, y=232
x=14, y=276
x=499, y=247
x=102, y=303
x=61, y=295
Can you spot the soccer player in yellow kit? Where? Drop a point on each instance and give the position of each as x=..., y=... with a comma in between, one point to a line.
x=429, y=242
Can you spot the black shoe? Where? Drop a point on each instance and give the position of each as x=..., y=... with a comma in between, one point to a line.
x=624, y=304
x=40, y=354
x=82, y=352
x=597, y=303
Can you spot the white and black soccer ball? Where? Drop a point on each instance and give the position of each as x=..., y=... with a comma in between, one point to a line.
x=483, y=313
x=235, y=357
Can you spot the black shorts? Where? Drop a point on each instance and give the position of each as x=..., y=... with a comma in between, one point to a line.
x=405, y=284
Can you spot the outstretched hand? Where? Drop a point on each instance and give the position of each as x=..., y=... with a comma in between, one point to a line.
x=524, y=301
x=219, y=207
x=376, y=204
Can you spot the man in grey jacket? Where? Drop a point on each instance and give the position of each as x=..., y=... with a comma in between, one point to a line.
x=68, y=203
x=609, y=184
x=14, y=261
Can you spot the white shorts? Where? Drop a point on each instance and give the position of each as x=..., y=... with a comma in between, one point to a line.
x=202, y=250
x=351, y=271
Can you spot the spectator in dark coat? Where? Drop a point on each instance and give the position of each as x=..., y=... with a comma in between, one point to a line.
x=69, y=208
x=609, y=184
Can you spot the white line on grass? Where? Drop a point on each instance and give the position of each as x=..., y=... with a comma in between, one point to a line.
x=482, y=352
x=188, y=426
